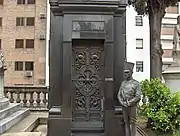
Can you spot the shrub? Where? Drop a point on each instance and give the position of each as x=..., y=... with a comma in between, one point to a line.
x=177, y=95
x=160, y=106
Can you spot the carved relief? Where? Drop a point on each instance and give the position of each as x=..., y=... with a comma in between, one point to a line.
x=94, y=60
x=80, y=100
x=80, y=60
x=95, y=100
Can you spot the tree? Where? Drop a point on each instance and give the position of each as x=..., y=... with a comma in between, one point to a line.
x=155, y=9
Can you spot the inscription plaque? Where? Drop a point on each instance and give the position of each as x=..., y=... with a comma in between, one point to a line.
x=88, y=25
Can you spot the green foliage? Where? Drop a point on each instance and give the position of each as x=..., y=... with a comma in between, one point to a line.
x=142, y=6
x=161, y=106
x=177, y=95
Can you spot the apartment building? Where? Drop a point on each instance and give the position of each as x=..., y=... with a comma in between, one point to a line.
x=168, y=23
x=137, y=47
x=23, y=41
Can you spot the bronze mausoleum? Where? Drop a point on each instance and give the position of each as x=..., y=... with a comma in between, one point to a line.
x=87, y=53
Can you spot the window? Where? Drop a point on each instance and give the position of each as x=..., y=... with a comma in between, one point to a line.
x=0, y=21
x=139, y=43
x=21, y=1
x=0, y=44
x=29, y=66
x=30, y=1
x=139, y=21
x=139, y=66
x=30, y=21
x=25, y=1
x=20, y=21
x=18, y=66
x=29, y=43
x=1, y=2
x=19, y=43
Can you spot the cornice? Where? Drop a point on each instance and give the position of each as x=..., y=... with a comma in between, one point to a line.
x=54, y=2
x=61, y=6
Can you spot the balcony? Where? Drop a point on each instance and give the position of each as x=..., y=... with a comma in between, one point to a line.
x=34, y=98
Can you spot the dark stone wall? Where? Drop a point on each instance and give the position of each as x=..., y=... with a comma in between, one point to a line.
x=62, y=34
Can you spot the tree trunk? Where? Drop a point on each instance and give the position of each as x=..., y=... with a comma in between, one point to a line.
x=155, y=19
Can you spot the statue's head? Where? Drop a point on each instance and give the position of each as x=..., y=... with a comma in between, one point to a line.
x=128, y=70
x=178, y=19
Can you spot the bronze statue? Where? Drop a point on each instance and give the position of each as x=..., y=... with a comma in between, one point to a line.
x=129, y=95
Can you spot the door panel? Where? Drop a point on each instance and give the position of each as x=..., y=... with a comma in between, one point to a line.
x=87, y=74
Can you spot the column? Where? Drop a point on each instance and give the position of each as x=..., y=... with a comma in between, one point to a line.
x=2, y=82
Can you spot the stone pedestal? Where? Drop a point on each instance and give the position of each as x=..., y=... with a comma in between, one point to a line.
x=172, y=74
x=2, y=81
x=3, y=101
x=1, y=86
x=10, y=113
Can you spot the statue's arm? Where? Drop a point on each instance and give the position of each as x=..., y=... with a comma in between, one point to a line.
x=177, y=29
x=119, y=96
x=137, y=97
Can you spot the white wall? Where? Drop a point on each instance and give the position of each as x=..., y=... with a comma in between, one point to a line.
x=133, y=54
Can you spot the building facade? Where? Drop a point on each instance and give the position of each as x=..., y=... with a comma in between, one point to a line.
x=167, y=32
x=138, y=47
x=23, y=41
x=137, y=43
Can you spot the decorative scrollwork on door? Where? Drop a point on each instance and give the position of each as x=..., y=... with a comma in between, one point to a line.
x=80, y=60
x=95, y=59
x=88, y=81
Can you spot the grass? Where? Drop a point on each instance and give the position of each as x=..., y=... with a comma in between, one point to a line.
x=141, y=121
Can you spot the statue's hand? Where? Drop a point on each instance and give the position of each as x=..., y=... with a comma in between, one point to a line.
x=124, y=104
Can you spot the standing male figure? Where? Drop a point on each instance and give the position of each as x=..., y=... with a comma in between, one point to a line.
x=129, y=95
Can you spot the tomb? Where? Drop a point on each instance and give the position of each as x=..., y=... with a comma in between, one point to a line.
x=87, y=54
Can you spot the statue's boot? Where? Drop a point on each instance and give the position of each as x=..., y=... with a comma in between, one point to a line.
x=127, y=129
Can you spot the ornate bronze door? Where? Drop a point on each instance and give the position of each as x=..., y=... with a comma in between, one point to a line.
x=87, y=74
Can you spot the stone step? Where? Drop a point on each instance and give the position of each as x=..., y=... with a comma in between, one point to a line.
x=13, y=119
x=11, y=108
x=87, y=134
x=24, y=134
x=89, y=126
x=29, y=123
x=4, y=102
x=86, y=129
